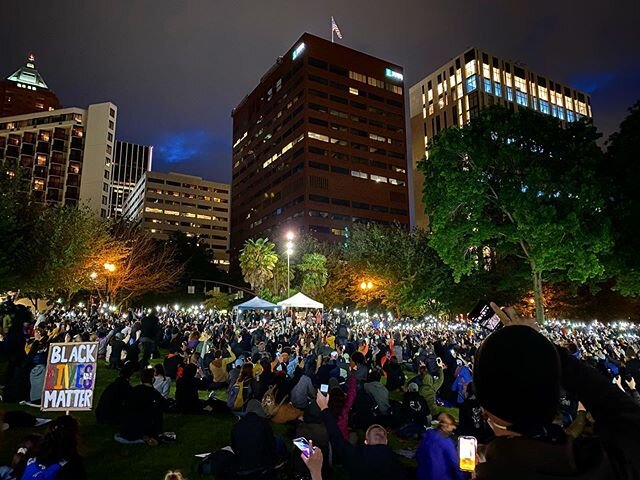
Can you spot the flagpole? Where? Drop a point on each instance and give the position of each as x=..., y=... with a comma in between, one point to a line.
x=331, y=29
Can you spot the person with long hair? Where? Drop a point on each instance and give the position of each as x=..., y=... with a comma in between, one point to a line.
x=58, y=455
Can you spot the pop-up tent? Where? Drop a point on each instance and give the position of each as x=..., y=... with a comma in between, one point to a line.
x=300, y=300
x=257, y=303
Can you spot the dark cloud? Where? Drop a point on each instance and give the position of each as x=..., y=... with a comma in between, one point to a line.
x=176, y=68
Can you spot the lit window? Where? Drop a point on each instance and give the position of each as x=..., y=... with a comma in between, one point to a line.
x=554, y=110
x=510, y=94
x=358, y=76
x=318, y=136
x=544, y=106
x=394, y=181
x=375, y=82
x=353, y=91
x=471, y=83
x=521, y=84
x=497, y=89
x=41, y=160
x=570, y=117
x=171, y=212
x=534, y=103
x=357, y=174
x=378, y=178
x=38, y=184
x=521, y=98
x=561, y=113
x=152, y=210
x=487, y=85
x=470, y=68
x=542, y=93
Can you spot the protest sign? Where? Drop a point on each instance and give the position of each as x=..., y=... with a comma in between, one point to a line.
x=70, y=376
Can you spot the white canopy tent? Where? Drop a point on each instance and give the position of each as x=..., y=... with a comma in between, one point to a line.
x=257, y=303
x=300, y=300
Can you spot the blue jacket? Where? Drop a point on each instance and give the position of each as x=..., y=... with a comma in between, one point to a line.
x=437, y=457
x=463, y=378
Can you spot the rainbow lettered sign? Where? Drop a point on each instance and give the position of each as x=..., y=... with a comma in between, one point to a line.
x=70, y=376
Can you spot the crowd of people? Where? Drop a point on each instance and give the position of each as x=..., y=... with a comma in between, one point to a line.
x=553, y=402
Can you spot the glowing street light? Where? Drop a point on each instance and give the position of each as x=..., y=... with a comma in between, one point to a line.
x=93, y=275
x=289, y=251
x=366, y=287
x=110, y=267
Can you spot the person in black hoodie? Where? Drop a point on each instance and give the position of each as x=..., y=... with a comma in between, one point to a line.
x=252, y=440
x=149, y=335
x=143, y=410
x=395, y=375
x=518, y=377
x=374, y=459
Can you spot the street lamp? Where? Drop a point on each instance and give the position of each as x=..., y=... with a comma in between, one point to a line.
x=366, y=287
x=109, y=267
x=289, y=246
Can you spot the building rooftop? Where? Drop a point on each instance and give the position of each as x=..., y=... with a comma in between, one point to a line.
x=28, y=75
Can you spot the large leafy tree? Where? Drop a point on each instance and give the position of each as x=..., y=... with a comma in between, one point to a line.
x=519, y=184
x=313, y=268
x=622, y=171
x=258, y=259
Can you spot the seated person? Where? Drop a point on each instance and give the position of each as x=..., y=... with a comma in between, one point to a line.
x=173, y=361
x=219, y=370
x=374, y=459
x=58, y=455
x=252, y=439
x=143, y=411
x=378, y=392
x=395, y=375
x=161, y=382
x=187, y=387
x=111, y=404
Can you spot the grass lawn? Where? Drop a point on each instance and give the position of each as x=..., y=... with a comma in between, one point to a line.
x=106, y=459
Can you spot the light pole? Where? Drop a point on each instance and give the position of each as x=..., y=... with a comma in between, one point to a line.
x=289, y=252
x=110, y=268
x=366, y=287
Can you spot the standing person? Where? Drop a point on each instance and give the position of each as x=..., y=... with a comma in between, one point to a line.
x=37, y=359
x=58, y=454
x=149, y=334
x=436, y=455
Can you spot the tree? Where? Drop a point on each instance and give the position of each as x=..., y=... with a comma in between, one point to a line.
x=146, y=265
x=258, y=258
x=517, y=183
x=621, y=171
x=217, y=300
x=196, y=257
x=313, y=268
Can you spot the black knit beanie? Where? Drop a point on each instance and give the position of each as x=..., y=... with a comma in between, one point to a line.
x=517, y=377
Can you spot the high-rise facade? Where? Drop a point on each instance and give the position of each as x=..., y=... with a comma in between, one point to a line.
x=319, y=145
x=455, y=92
x=130, y=162
x=62, y=156
x=167, y=202
x=25, y=91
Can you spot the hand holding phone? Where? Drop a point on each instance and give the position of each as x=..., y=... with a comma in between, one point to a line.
x=467, y=453
x=324, y=388
x=303, y=446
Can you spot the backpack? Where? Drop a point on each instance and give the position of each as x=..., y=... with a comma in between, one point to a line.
x=235, y=399
x=36, y=471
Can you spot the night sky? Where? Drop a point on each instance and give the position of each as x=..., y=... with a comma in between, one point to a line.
x=177, y=68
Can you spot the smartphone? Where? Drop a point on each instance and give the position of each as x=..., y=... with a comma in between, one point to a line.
x=484, y=315
x=303, y=445
x=324, y=388
x=467, y=453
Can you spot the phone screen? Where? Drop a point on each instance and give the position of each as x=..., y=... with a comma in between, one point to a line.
x=484, y=315
x=302, y=445
x=467, y=453
x=324, y=388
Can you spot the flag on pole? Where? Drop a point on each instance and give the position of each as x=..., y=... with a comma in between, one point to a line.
x=335, y=29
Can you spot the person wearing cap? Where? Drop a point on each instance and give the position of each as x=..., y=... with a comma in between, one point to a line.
x=436, y=455
x=518, y=376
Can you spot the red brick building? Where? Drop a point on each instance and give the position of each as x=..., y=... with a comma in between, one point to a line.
x=25, y=91
x=319, y=145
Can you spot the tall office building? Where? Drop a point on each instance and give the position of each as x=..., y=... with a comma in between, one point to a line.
x=455, y=92
x=25, y=91
x=166, y=202
x=62, y=156
x=319, y=145
x=130, y=162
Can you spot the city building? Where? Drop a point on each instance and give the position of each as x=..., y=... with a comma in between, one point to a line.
x=455, y=92
x=319, y=145
x=62, y=156
x=25, y=91
x=130, y=162
x=166, y=202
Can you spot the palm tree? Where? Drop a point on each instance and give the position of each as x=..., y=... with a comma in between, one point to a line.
x=258, y=258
